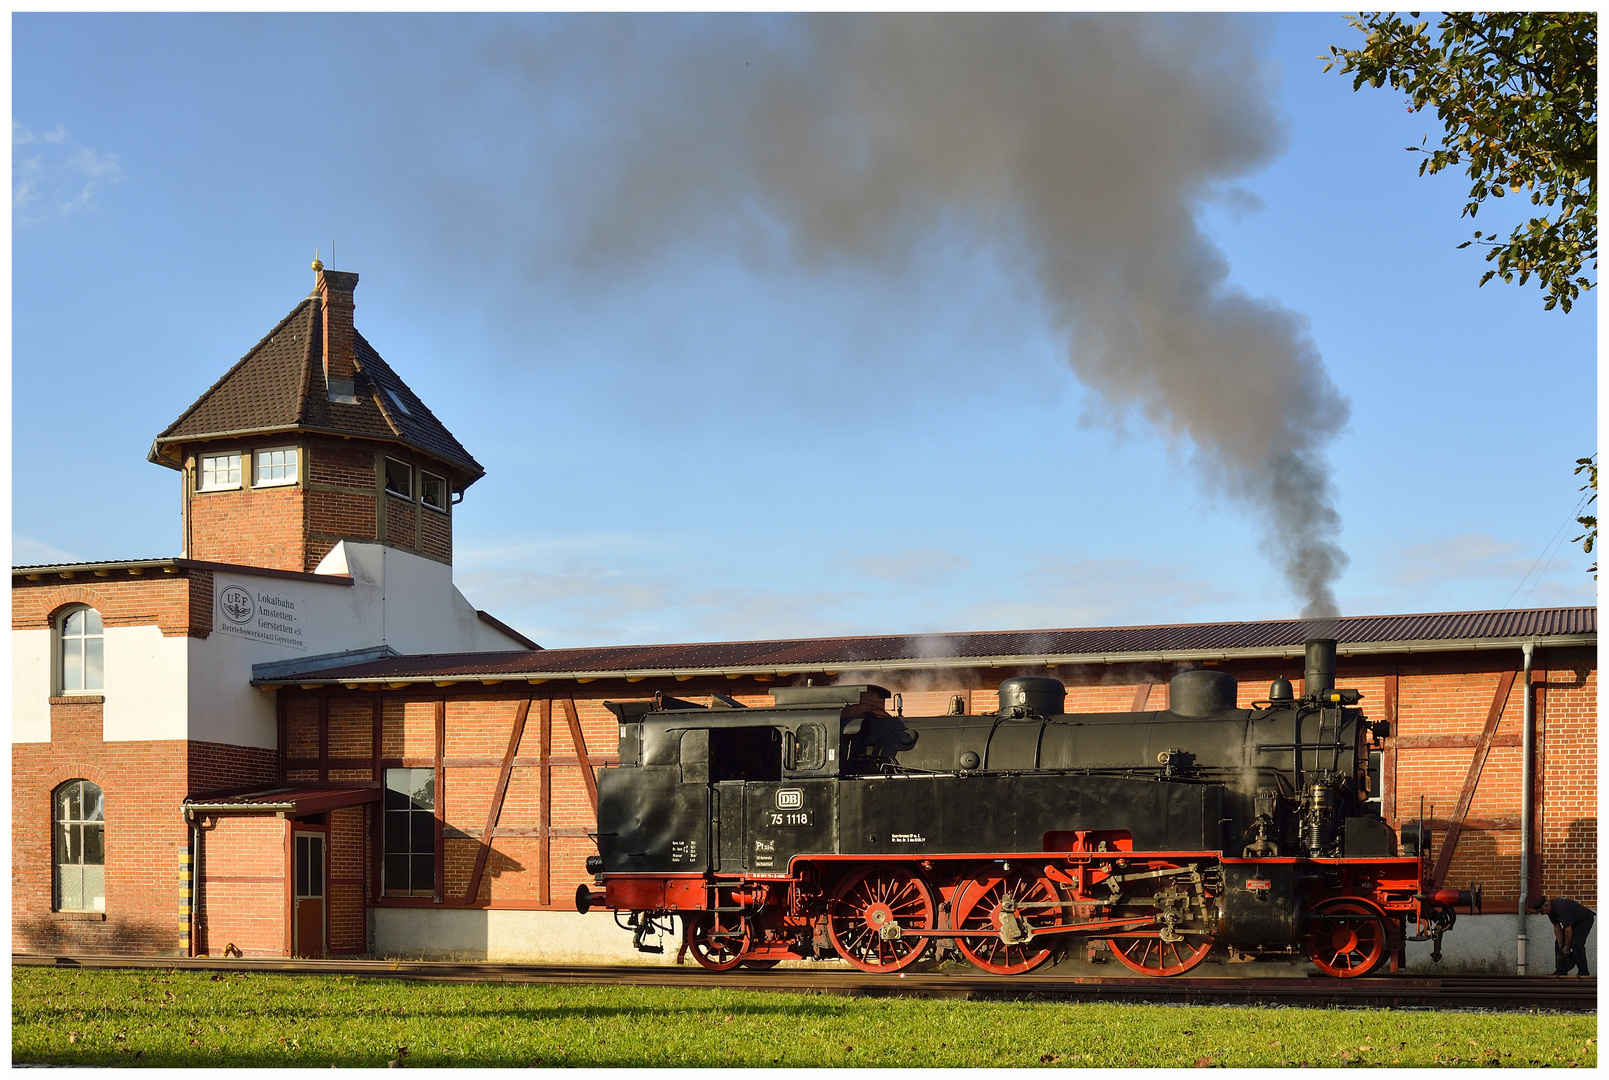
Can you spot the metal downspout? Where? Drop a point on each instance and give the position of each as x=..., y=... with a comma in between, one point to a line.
x=1527, y=768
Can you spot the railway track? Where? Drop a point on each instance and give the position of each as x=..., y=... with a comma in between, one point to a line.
x=1509, y=993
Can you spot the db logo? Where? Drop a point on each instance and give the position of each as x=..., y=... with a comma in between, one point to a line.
x=790, y=799
x=236, y=604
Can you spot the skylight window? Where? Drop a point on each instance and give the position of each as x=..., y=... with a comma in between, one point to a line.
x=396, y=399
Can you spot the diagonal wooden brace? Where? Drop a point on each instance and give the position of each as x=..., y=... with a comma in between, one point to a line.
x=1444, y=858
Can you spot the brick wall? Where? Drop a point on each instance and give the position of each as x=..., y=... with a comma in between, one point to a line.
x=241, y=886
x=1570, y=779
x=401, y=529
x=146, y=837
x=251, y=527
x=294, y=527
x=178, y=604
x=436, y=536
x=348, y=879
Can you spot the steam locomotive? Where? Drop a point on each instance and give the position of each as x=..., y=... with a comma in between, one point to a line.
x=827, y=826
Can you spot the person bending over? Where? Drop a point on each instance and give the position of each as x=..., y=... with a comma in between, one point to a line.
x=1571, y=925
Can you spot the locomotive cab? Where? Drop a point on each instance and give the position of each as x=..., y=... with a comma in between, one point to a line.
x=698, y=786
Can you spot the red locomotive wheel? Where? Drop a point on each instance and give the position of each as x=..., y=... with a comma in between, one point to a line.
x=1350, y=942
x=1142, y=949
x=717, y=939
x=870, y=912
x=981, y=905
x=1148, y=954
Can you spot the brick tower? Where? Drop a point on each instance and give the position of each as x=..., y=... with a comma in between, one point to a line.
x=309, y=440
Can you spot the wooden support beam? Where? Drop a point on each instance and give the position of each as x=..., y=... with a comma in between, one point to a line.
x=441, y=798
x=1142, y=694
x=496, y=808
x=282, y=733
x=544, y=803
x=1453, y=742
x=323, y=738
x=1388, y=756
x=580, y=741
x=1444, y=858
x=1540, y=689
x=376, y=812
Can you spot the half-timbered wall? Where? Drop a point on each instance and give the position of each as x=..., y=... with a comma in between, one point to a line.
x=516, y=762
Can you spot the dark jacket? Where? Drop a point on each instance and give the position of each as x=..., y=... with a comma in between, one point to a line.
x=1569, y=913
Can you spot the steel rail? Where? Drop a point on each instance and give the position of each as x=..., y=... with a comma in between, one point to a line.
x=1504, y=993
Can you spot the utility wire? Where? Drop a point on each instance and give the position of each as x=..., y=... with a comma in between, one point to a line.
x=1551, y=546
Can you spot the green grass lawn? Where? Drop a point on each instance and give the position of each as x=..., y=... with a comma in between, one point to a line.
x=153, y=1018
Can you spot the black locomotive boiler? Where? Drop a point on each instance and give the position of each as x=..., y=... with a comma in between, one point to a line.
x=827, y=826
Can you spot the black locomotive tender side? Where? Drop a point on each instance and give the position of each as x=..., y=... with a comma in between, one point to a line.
x=826, y=826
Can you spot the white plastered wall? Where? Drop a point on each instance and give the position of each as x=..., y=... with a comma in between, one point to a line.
x=145, y=685
x=1479, y=943
x=508, y=936
x=422, y=610
x=30, y=685
x=396, y=599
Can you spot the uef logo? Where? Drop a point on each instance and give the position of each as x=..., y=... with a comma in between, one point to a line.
x=790, y=799
x=236, y=605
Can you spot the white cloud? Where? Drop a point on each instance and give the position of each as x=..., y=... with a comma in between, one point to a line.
x=53, y=177
x=28, y=551
x=1097, y=592
x=580, y=602
x=1473, y=555
x=1478, y=571
x=916, y=567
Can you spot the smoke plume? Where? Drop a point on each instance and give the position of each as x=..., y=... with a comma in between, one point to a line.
x=1081, y=147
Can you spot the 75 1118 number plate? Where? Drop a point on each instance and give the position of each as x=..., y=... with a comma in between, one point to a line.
x=789, y=817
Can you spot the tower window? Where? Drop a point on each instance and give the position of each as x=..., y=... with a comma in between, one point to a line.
x=220, y=472
x=399, y=478
x=82, y=645
x=275, y=467
x=432, y=491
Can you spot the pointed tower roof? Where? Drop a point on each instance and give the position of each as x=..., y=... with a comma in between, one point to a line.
x=283, y=385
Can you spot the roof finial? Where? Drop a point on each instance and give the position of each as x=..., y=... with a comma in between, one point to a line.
x=317, y=266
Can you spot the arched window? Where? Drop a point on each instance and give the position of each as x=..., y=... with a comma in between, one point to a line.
x=80, y=857
x=81, y=650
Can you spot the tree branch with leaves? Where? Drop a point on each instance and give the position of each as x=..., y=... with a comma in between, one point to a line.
x=1589, y=539
x=1517, y=95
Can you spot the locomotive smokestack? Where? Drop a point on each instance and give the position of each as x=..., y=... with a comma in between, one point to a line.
x=1320, y=674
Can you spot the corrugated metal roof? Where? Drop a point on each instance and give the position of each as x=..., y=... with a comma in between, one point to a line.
x=290, y=800
x=1361, y=633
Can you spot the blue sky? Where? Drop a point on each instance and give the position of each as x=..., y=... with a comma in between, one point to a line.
x=701, y=422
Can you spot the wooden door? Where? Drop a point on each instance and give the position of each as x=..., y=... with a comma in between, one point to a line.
x=308, y=915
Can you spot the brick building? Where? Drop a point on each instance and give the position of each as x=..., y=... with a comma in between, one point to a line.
x=317, y=494
x=424, y=781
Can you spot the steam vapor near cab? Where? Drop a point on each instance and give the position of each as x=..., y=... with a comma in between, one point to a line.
x=1080, y=147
